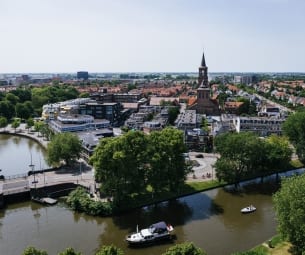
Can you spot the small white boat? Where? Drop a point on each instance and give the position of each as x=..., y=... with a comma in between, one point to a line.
x=248, y=209
x=155, y=232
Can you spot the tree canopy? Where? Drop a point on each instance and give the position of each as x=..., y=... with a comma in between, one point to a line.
x=69, y=251
x=184, y=249
x=63, y=146
x=109, y=250
x=33, y=251
x=129, y=163
x=3, y=122
x=245, y=155
x=289, y=204
x=294, y=128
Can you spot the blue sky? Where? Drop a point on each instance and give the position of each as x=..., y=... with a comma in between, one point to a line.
x=152, y=36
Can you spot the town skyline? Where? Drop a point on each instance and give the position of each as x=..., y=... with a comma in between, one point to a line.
x=146, y=37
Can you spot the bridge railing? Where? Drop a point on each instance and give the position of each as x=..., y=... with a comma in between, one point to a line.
x=15, y=176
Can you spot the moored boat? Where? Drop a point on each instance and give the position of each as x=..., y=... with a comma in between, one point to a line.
x=44, y=200
x=155, y=232
x=248, y=209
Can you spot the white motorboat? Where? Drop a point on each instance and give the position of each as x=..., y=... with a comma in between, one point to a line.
x=248, y=209
x=155, y=232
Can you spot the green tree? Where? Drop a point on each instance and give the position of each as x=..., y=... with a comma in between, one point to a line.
x=52, y=94
x=38, y=126
x=173, y=112
x=7, y=109
x=23, y=94
x=127, y=164
x=131, y=86
x=63, y=146
x=29, y=123
x=22, y=111
x=45, y=131
x=15, y=124
x=69, y=251
x=167, y=164
x=186, y=248
x=204, y=125
x=278, y=153
x=12, y=98
x=289, y=204
x=120, y=164
x=294, y=128
x=241, y=155
x=109, y=250
x=79, y=200
x=259, y=252
x=33, y=251
x=248, y=107
x=84, y=95
x=3, y=122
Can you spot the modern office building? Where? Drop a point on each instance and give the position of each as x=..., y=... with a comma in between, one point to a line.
x=108, y=111
x=82, y=75
x=77, y=123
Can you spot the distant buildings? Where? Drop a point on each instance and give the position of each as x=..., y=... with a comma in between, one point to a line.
x=262, y=126
x=82, y=75
x=244, y=79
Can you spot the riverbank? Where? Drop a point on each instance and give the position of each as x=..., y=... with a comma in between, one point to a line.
x=274, y=246
x=28, y=133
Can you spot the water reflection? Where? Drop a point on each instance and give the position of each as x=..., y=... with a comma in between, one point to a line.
x=15, y=155
x=212, y=220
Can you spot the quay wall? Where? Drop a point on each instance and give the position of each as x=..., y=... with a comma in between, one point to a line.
x=53, y=191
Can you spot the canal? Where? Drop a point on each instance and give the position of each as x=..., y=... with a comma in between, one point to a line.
x=16, y=153
x=211, y=219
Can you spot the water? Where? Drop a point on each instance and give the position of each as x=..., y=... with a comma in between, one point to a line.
x=15, y=155
x=211, y=219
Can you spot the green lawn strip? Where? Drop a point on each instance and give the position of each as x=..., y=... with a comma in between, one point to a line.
x=296, y=164
x=148, y=198
x=273, y=246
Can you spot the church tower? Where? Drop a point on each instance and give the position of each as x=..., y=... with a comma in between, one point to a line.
x=203, y=74
x=205, y=105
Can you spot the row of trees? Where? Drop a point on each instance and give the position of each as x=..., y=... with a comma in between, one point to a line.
x=131, y=163
x=186, y=248
x=244, y=155
x=27, y=102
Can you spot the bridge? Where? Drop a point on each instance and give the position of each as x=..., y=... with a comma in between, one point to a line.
x=23, y=184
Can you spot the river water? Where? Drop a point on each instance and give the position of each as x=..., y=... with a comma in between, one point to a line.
x=211, y=219
x=16, y=153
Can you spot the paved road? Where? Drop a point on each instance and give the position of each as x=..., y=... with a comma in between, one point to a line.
x=204, y=171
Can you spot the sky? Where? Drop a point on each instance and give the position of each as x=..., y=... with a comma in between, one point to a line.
x=58, y=36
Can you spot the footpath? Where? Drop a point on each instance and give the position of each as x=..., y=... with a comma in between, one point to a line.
x=22, y=131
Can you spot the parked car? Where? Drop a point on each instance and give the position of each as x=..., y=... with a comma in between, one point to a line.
x=199, y=156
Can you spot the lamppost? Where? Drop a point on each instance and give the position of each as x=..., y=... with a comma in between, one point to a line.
x=33, y=171
x=80, y=169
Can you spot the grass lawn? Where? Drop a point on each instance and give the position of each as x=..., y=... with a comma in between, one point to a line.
x=280, y=247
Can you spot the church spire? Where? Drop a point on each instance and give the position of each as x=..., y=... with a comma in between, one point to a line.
x=203, y=60
x=203, y=73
